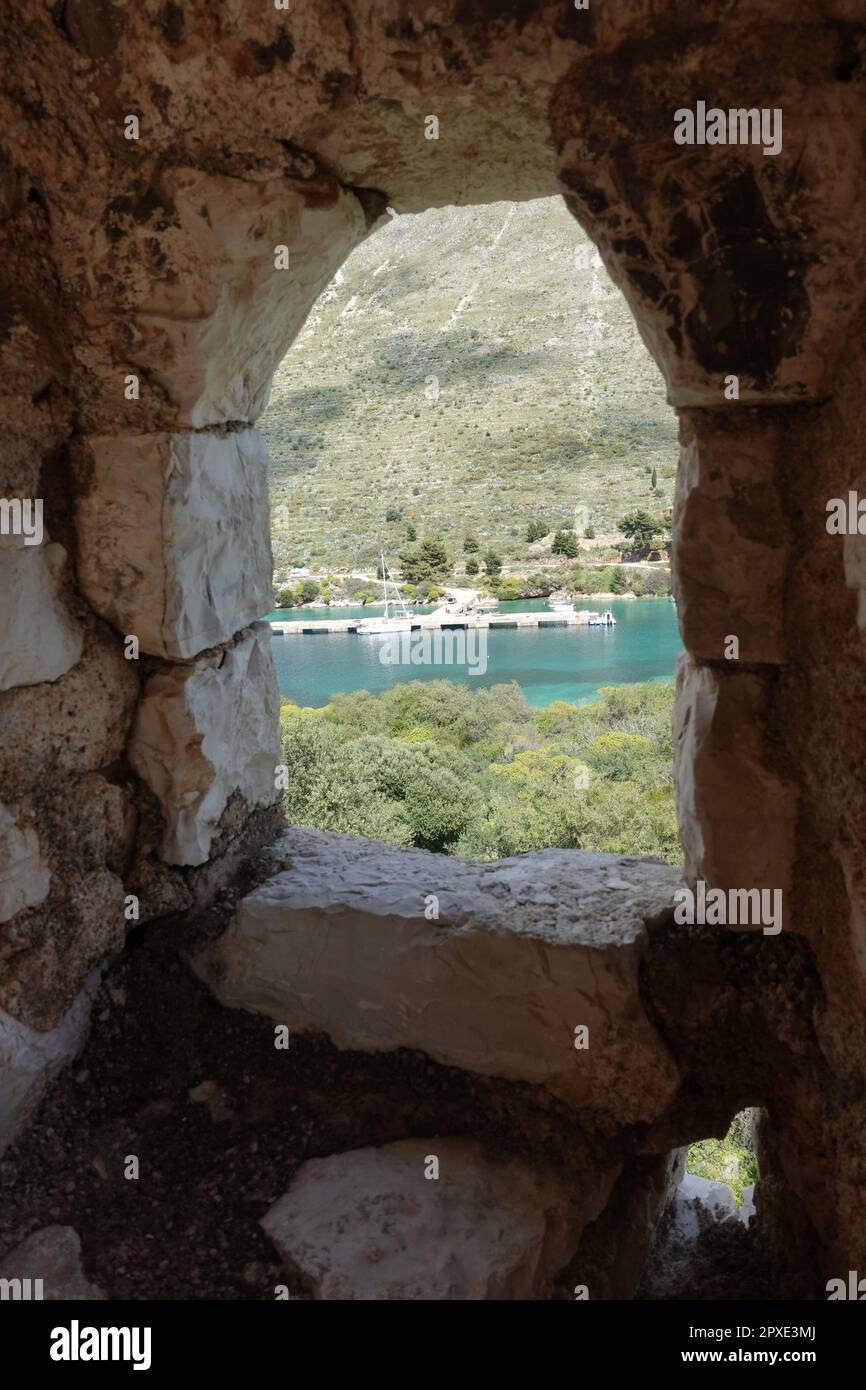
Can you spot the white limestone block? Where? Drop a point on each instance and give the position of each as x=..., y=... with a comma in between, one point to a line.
x=205, y=731
x=174, y=537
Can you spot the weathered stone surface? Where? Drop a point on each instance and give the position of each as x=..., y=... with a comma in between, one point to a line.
x=524, y=951
x=367, y=1224
x=173, y=537
x=75, y=724
x=615, y=1249
x=38, y=639
x=52, y=1255
x=29, y=1060
x=737, y=812
x=205, y=731
x=217, y=320
x=747, y=1209
x=24, y=877
x=729, y=539
x=47, y=951
x=157, y=256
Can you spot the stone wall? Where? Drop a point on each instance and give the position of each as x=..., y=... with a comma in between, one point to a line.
x=178, y=184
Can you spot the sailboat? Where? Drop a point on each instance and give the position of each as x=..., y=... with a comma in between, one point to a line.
x=401, y=621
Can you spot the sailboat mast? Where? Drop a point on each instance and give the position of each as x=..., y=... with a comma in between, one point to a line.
x=384, y=582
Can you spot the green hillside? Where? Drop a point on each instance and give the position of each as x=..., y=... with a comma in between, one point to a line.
x=469, y=369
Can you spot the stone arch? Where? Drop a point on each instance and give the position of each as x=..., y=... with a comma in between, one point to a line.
x=153, y=259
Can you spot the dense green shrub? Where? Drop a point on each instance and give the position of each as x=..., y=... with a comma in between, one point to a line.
x=483, y=774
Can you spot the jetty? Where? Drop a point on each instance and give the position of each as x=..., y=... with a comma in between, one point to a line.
x=443, y=619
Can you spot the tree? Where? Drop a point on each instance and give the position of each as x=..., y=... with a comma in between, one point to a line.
x=430, y=561
x=472, y=566
x=392, y=514
x=654, y=480
x=565, y=543
x=492, y=563
x=641, y=529
x=470, y=545
x=537, y=530
x=618, y=580
x=404, y=792
x=589, y=533
x=308, y=590
x=411, y=533
x=286, y=598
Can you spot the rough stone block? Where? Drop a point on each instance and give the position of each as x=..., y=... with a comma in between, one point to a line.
x=29, y=1060
x=737, y=813
x=52, y=1255
x=214, y=323
x=174, y=537
x=86, y=836
x=75, y=724
x=730, y=539
x=523, y=952
x=38, y=639
x=204, y=732
x=24, y=877
x=369, y=1225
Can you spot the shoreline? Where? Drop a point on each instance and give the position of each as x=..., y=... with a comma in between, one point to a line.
x=589, y=598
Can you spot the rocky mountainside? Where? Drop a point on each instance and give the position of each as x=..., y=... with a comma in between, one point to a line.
x=470, y=369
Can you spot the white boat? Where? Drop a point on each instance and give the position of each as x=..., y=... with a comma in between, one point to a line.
x=561, y=607
x=605, y=619
x=401, y=621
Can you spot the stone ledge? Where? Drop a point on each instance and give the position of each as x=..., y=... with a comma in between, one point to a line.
x=523, y=952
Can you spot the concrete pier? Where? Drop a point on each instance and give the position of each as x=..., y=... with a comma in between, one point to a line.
x=442, y=619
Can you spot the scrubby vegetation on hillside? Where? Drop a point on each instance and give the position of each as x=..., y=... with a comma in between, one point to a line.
x=469, y=371
x=484, y=774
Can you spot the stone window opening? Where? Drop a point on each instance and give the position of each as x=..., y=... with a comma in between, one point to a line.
x=148, y=300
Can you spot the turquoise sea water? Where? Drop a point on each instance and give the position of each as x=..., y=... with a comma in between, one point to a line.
x=563, y=663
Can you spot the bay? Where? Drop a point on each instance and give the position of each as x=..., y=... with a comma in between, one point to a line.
x=561, y=663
